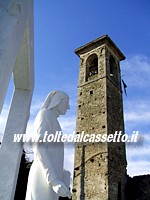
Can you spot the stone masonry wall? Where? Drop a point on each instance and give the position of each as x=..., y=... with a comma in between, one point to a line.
x=91, y=163
x=137, y=188
x=99, y=171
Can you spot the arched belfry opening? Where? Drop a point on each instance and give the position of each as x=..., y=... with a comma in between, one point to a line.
x=91, y=67
x=113, y=69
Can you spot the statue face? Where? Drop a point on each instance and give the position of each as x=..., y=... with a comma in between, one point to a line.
x=63, y=106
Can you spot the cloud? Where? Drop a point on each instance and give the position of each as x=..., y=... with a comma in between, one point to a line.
x=138, y=152
x=137, y=111
x=136, y=168
x=3, y=120
x=35, y=106
x=69, y=158
x=68, y=124
x=137, y=71
x=138, y=63
x=138, y=158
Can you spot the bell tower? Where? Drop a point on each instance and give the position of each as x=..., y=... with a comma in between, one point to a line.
x=99, y=167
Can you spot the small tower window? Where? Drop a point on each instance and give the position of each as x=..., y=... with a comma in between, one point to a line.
x=91, y=92
x=91, y=67
x=113, y=69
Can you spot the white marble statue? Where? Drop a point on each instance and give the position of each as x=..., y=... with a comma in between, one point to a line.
x=45, y=176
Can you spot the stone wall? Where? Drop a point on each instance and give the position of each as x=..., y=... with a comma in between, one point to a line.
x=138, y=188
x=100, y=168
x=115, y=122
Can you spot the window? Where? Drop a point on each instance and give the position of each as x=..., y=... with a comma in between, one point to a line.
x=113, y=69
x=91, y=92
x=91, y=67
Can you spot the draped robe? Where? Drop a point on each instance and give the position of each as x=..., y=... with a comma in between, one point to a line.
x=48, y=159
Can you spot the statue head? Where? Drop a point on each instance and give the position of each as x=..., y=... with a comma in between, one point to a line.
x=57, y=99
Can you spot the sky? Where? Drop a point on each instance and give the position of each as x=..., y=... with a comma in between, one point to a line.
x=62, y=26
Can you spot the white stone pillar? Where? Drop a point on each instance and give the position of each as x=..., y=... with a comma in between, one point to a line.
x=16, y=56
x=10, y=153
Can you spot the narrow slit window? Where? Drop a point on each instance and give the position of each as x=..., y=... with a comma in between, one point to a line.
x=119, y=190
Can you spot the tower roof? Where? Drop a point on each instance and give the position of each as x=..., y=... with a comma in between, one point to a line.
x=105, y=39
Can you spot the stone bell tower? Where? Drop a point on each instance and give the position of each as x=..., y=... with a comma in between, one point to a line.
x=100, y=168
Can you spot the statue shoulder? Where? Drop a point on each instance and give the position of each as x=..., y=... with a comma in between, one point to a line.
x=44, y=116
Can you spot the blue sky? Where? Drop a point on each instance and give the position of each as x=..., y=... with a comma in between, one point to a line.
x=63, y=26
